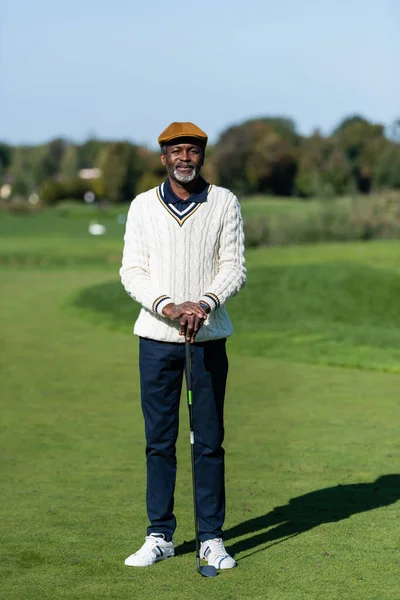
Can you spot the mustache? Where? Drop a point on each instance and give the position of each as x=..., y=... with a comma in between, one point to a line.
x=186, y=166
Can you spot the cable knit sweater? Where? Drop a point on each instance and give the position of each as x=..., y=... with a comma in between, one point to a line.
x=170, y=257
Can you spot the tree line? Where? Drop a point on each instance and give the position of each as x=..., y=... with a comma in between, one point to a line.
x=259, y=156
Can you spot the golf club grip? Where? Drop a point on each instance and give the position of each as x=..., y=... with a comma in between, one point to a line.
x=188, y=366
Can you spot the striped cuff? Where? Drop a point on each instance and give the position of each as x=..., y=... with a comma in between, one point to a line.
x=212, y=300
x=160, y=302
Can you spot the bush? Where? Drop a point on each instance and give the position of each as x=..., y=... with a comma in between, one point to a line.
x=257, y=231
x=344, y=219
x=56, y=191
x=19, y=205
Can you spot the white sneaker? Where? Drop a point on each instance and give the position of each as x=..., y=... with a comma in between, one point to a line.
x=154, y=549
x=214, y=552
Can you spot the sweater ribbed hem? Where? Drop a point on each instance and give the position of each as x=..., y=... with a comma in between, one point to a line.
x=211, y=299
x=160, y=302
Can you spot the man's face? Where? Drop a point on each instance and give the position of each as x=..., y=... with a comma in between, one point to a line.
x=183, y=161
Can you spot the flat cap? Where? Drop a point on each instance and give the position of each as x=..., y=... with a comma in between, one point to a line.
x=180, y=130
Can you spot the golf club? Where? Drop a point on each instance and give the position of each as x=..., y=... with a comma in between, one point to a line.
x=207, y=571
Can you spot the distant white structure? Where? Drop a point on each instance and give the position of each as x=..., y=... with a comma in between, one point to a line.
x=33, y=199
x=89, y=173
x=89, y=197
x=5, y=191
x=96, y=228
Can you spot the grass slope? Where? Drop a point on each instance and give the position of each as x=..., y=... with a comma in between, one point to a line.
x=329, y=313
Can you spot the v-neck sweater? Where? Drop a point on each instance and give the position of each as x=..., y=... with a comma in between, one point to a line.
x=198, y=256
x=178, y=205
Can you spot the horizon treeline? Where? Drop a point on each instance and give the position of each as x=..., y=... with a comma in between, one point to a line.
x=258, y=156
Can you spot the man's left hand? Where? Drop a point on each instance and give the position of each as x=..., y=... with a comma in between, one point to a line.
x=190, y=325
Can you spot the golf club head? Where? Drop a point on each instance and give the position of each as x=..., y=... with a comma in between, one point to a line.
x=208, y=571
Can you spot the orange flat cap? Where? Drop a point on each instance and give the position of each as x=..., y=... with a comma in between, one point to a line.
x=179, y=130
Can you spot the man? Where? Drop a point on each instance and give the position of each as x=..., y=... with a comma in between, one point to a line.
x=183, y=258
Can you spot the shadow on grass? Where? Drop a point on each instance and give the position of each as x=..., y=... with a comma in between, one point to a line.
x=308, y=511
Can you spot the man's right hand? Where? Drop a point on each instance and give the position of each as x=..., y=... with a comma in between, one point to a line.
x=176, y=311
x=190, y=315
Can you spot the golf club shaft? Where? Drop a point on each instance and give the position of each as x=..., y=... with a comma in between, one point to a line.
x=188, y=374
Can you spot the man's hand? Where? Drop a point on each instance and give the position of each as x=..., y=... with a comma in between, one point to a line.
x=190, y=315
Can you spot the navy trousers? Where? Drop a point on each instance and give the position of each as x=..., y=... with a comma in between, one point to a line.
x=161, y=373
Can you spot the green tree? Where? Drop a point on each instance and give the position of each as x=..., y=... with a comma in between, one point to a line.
x=88, y=153
x=259, y=155
x=323, y=168
x=337, y=173
x=313, y=153
x=361, y=142
x=5, y=156
x=121, y=168
x=69, y=163
x=45, y=160
x=152, y=171
x=20, y=170
x=387, y=168
x=394, y=131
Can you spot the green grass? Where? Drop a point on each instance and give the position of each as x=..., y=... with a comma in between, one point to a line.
x=255, y=206
x=312, y=450
x=49, y=238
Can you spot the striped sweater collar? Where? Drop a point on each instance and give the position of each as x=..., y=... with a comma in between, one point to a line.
x=169, y=196
x=181, y=210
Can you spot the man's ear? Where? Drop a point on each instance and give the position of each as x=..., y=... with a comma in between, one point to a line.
x=163, y=159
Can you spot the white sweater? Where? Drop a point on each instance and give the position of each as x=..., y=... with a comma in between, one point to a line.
x=176, y=258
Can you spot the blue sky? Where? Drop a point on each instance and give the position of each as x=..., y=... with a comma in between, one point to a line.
x=126, y=69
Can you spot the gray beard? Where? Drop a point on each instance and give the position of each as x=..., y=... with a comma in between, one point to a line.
x=185, y=178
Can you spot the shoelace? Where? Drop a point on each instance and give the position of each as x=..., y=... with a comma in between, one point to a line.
x=152, y=541
x=216, y=545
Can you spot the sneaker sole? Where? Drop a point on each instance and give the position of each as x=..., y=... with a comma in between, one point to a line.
x=218, y=565
x=158, y=559
x=222, y=568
